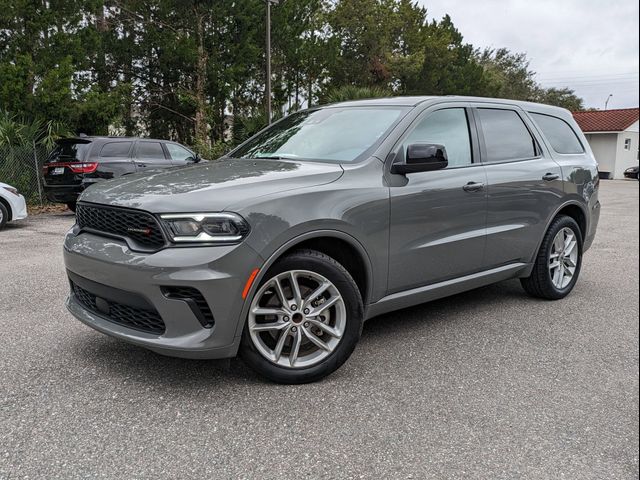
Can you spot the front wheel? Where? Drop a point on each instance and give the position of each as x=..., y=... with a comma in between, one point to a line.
x=304, y=320
x=558, y=263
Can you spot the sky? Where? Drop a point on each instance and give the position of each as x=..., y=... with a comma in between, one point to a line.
x=590, y=46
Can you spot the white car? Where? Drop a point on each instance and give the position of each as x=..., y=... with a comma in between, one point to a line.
x=12, y=205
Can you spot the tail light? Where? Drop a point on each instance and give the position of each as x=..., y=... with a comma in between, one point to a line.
x=88, y=167
x=83, y=167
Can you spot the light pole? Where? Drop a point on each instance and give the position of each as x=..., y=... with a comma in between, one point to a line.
x=268, y=89
x=606, y=103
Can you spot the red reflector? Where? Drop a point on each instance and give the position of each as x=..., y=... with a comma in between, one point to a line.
x=250, y=280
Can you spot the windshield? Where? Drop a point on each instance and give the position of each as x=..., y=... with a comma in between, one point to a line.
x=69, y=152
x=329, y=134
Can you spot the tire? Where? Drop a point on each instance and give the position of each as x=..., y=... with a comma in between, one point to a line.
x=72, y=206
x=310, y=269
x=545, y=282
x=4, y=215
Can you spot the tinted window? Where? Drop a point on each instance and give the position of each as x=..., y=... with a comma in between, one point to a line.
x=329, y=134
x=150, y=150
x=69, y=152
x=559, y=134
x=505, y=135
x=178, y=153
x=445, y=127
x=116, y=149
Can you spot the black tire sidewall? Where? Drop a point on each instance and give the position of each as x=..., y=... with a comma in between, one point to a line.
x=5, y=216
x=334, y=272
x=559, y=224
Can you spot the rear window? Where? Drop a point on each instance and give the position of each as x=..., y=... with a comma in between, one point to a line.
x=561, y=136
x=506, y=136
x=116, y=149
x=69, y=152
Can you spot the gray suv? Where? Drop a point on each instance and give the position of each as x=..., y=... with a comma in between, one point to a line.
x=281, y=249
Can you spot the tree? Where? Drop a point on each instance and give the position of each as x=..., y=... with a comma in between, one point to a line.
x=561, y=97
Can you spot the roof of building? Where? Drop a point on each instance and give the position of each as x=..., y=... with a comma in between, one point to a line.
x=606, y=120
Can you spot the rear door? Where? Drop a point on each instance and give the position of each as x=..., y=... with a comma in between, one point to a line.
x=438, y=218
x=114, y=158
x=524, y=183
x=150, y=155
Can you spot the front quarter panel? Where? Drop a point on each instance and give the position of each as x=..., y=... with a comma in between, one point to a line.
x=354, y=208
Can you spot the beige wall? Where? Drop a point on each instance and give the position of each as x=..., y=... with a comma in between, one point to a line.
x=604, y=146
x=610, y=153
x=626, y=158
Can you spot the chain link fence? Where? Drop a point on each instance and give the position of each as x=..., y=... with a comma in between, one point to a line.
x=21, y=167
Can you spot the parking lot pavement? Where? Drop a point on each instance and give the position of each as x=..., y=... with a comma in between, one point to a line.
x=486, y=384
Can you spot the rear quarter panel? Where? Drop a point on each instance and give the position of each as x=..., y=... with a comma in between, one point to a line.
x=580, y=176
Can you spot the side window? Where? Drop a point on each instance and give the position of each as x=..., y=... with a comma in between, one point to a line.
x=506, y=137
x=178, y=154
x=448, y=127
x=561, y=136
x=116, y=149
x=150, y=150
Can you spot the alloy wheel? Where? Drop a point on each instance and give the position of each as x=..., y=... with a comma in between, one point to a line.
x=563, y=259
x=297, y=319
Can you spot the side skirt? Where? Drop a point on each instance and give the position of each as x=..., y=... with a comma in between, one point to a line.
x=415, y=296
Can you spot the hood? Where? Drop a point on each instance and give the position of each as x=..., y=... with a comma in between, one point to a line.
x=210, y=186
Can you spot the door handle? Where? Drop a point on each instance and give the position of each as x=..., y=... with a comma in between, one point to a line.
x=141, y=164
x=548, y=177
x=473, y=187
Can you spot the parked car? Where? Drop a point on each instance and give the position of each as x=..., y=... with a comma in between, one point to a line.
x=12, y=205
x=77, y=163
x=632, y=172
x=331, y=216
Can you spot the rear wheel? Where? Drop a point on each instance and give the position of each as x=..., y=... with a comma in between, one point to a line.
x=72, y=206
x=304, y=320
x=558, y=263
x=4, y=216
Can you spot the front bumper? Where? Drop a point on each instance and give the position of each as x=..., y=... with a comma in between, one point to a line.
x=219, y=273
x=19, y=208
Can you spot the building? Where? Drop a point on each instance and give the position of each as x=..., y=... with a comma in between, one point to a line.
x=613, y=136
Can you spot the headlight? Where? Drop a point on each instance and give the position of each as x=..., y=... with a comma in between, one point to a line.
x=220, y=227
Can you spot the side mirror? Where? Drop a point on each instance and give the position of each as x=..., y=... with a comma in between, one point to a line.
x=195, y=159
x=422, y=157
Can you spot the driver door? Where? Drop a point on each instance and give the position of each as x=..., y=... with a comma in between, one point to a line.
x=438, y=218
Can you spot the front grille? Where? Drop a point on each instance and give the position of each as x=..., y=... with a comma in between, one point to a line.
x=141, y=227
x=132, y=317
x=195, y=300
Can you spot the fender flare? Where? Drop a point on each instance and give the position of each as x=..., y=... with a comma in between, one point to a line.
x=292, y=243
x=555, y=213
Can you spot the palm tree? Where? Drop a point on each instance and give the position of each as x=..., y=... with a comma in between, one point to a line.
x=20, y=132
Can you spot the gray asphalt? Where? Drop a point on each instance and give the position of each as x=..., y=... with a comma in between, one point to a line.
x=489, y=384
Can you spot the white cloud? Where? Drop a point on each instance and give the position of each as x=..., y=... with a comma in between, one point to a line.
x=590, y=46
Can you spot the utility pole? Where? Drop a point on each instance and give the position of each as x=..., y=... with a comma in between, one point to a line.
x=268, y=82
x=606, y=103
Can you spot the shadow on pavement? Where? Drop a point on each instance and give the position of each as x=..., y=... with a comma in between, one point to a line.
x=132, y=363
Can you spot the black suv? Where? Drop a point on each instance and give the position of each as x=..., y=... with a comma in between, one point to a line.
x=77, y=163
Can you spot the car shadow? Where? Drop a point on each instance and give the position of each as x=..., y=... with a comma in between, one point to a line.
x=132, y=363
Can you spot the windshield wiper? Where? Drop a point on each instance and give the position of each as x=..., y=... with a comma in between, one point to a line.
x=274, y=157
